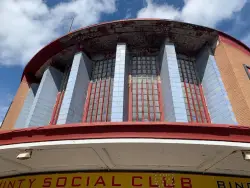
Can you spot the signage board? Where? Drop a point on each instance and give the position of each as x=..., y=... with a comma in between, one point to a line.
x=124, y=180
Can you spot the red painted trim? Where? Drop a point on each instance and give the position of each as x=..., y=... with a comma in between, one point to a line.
x=137, y=99
x=107, y=111
x=142, y=99
x=234, y=44
x=99, y=130
x=130, y=100
x=98, y=100
x=198, y=102
x=204, y=104
x=148, y=101
x=52, y=120
x=93, y=103
x=59, y=107
x=189, y=108
x=86, y=105
x=103, y=97
x=153, y=97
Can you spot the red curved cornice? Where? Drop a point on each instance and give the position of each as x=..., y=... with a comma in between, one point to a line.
x=55, y=46
x=188, y=131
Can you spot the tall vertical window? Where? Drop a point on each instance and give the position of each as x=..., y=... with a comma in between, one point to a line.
x=145, y=89
x=192, y=90
x=100, y=91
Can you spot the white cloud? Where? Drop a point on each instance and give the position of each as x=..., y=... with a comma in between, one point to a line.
x=27, y=25
x=153, y=10
x=202, y=12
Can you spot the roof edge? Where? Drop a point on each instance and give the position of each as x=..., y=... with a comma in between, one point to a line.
x=53, y=43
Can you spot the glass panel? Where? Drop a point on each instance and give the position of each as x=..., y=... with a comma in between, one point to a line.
x=191, y=91
x=144, y=89
x=101, y=92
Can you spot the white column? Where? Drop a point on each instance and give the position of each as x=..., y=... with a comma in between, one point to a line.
x=20, y=123
x=173, y=98
x=118, y=106
x=76, y=91
x=219, y=106
x=42, y=107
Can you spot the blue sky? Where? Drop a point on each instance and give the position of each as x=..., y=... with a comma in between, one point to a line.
x=28, y=25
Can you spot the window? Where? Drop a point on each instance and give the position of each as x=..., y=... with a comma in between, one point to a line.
x=247, y=69
x=145, y=89
x=100, y=91
x=192, y=90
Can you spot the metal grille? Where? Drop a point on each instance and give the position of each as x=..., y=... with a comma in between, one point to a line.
x=192, y=90
x=144, y=89
x=100, y=88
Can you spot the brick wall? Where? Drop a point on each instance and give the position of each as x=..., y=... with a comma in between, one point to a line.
x=230, y=60
x=16, y=106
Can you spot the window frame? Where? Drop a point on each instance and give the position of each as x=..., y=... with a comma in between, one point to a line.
x=247, y=69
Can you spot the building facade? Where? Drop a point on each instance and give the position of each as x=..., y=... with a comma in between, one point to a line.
x=126, y=96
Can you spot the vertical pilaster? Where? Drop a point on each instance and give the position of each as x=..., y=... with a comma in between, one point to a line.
x=118, y=105
x=16, y=106
x=76, y=91
x=173, y=98
x=20, y=123
x=219, y=106
x=43, y=104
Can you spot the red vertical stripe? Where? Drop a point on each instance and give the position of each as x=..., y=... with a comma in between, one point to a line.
x=98, y=100
x=153, y=97
x=148, y=102
x=87, y=101
x=142, y=99
x=93, y=102
x=137, y=99
x=204, y=105
x=52, y=120
x=198, y=102
x=130, y=98
x=58, y=107
x=107, y=110
x=130, y=92
x=103, y=97
x=188, y=100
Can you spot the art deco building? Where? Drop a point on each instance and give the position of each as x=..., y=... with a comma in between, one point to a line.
x=100, y=105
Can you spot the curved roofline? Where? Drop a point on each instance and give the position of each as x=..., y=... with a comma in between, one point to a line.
x=50, y=47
